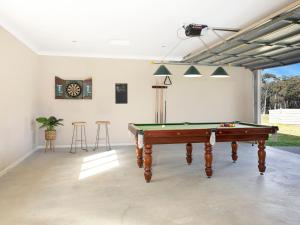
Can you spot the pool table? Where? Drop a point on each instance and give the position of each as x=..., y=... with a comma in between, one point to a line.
x=208, y=133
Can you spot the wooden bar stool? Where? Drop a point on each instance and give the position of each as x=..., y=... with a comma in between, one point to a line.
x=75, y=139
x=107, y=142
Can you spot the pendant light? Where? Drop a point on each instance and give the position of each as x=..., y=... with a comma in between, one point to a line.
x=219, y=72
x=162, y=71
x=192, y=72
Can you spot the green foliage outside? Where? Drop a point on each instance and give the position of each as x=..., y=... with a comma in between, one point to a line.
x=279, y=92
x=49, y=123
x=288, y=135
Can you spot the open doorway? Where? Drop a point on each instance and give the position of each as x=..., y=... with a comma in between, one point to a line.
x=280, y=103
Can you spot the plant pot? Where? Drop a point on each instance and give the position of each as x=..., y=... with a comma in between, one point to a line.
x=50, y=135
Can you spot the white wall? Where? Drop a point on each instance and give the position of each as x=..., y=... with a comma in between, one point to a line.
x=27, y=91
x=284, y=116
x=18, y=75
x=189, y=99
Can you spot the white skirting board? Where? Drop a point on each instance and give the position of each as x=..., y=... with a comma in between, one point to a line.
x=88, y=145
x=18, y=161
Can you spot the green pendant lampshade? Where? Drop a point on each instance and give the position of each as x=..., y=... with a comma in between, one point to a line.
x=192, y=72
x=162, y=71
x=219, y=72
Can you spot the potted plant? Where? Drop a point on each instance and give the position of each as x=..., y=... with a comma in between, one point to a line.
x=50, y=124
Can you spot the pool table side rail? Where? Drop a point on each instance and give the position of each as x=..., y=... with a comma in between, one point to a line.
x=181, y=123
x=172, y=136
x=177, y=136
x=134, y=128
x=203, y=135
x=274, y=129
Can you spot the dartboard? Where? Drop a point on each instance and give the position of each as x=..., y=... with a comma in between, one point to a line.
x=73, y=89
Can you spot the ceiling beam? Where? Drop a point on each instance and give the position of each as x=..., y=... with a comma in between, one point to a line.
x=238, y=45
x=270, y=44
x=258, y=44
x=289, y=57
x=273, y=18
x=292, y=21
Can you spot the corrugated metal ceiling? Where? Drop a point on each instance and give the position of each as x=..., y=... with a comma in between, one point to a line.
x=273, y=43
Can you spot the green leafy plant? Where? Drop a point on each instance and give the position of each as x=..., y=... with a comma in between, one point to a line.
x=50, y=123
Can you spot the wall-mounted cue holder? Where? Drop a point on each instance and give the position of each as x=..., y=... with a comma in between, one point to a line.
x=160, y=103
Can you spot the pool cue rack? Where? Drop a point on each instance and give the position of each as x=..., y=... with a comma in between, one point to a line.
x=160, y=103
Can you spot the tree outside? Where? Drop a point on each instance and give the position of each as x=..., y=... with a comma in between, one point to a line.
x=281, y=92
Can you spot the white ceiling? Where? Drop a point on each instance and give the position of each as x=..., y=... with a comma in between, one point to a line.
x=124, y=29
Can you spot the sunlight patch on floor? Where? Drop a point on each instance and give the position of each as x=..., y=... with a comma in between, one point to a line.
x=98, y=163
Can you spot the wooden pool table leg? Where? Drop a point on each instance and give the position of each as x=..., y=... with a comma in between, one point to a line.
x=234, y=148
x=189, y=150
x=139, y=156
x=261, y=156
x=208, y=159
x=148, y=162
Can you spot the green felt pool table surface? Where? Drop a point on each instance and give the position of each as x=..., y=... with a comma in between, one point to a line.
x=185, y=126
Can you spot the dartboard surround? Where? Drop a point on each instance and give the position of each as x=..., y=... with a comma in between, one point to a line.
x=73, y=89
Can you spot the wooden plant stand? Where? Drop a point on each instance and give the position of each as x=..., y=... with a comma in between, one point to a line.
x=50, y=137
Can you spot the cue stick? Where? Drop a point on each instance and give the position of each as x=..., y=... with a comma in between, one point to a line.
x=161, y=105
x=156, y=103
x=165, y=111
x=165, y=102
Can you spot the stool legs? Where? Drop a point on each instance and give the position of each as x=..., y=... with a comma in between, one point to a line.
x=86, y=148
x=81, y=140
x=72, y=140
x=107, y=138
x=81, y=137
x=107, y=141
x=97, y=138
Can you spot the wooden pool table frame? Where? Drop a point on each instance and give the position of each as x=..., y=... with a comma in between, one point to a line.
x=259, y=133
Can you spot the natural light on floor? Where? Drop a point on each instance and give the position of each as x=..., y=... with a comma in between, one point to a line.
x=98, y=163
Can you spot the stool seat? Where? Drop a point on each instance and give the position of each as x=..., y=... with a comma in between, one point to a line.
x=102, y=122
x=78, y=123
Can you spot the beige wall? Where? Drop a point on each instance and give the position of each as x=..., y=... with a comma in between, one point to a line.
x=189, y=99
x=27, y=91
x=18, y=75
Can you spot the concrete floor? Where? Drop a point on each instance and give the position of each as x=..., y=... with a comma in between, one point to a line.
x=107, y=188
x=295, y=149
